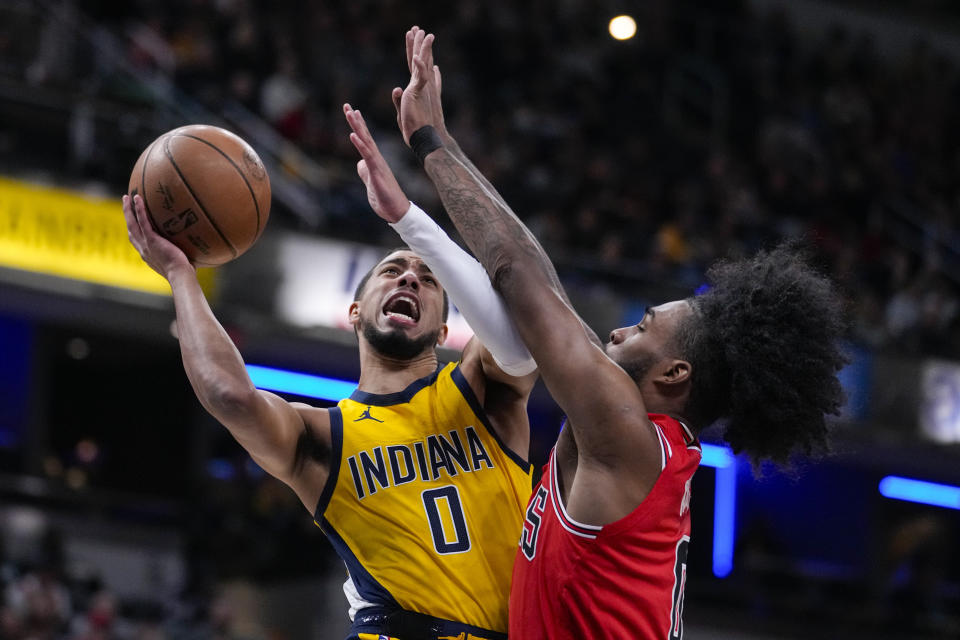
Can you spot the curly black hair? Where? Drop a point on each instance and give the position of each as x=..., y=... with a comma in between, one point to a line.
x=764, y=345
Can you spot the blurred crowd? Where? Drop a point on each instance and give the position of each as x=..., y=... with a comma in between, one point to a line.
x=45, y=603
x=249, y=535
x=714, y=132
x=711, y=134
x=38, y=601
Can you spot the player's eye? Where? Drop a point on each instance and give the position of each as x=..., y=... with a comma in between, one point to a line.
x=640, y=324
x=429, y=280
x=392, y=270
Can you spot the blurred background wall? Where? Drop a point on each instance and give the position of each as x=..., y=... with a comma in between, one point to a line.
x=718, y=129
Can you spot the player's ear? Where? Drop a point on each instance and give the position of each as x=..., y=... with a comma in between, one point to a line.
x=443, y=334
x=674, y=379
x=354, y=313
x=676, y=372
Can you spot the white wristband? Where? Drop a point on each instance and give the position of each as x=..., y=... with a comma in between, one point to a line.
x=468, y=286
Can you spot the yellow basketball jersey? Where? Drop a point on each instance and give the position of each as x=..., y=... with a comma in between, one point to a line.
x=424, y=503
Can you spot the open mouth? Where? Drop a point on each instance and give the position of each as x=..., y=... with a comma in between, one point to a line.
x=402, y=307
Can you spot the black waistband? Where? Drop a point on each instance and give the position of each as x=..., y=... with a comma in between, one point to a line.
x=408, y=625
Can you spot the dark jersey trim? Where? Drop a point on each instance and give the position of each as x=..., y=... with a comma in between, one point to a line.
x=399, y=397
x=467, y=392
x=384, y=621
x=336, y=453
x=367, y=586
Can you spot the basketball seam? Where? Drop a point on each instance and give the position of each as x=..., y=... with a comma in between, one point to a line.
x=166, y=150
x=256, y=205
x=143, y=187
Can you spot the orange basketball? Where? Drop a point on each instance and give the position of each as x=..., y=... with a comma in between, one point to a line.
x=205, y=190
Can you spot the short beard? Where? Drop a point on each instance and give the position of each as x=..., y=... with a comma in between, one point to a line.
x=396, y=345
x=638, y=367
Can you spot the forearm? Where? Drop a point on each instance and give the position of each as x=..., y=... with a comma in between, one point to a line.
x=493, y=232
x=265, y=425
x=214, y=366
x=451, y=145
x=608, y=426
x=500, y=204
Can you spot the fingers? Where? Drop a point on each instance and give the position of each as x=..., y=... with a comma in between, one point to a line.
x=422, y=48
x=437, y=79
x=419, y=56
x=351, y=114
x=419, y=77
x=348, y=114
x=128, y=215
x=364, y=172
x=362, y=139
x=140, y=210
x=359, y=125
x=133, y=227
x=409, y=44
x=362, y=128
x=426, y=50
x=397, y=95
x=418, y=37
x=361, y=146
x=370, y=158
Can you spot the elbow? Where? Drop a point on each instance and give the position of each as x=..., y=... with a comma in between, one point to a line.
x=504, y=264
x=230, y=399
x=511, y=260
x=509, y=274
x=501, y=272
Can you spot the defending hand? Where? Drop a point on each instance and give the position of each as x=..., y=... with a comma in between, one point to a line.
x=419, y=104
x=384, y=193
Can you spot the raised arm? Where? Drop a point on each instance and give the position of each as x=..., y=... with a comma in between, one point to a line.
x=415, y=39
x=414, y=43
x=282, y=438
x=460, y=274
x=498, y=366
x=602, y=402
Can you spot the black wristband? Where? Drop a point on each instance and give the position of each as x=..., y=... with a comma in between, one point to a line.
x=423, y=141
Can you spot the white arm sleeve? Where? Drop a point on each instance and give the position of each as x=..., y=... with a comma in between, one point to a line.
x=468, y=286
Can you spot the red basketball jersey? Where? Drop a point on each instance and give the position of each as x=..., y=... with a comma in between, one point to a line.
x=622, y=580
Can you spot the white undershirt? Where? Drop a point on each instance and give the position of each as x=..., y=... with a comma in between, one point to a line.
x=468, y=286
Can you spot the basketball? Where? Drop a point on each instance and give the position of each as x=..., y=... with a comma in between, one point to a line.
x=206, y=190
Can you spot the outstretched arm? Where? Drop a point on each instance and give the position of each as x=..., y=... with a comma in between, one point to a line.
x=414, y=43
x=498, y=367
x=272, y=431
x=459, y=273
x=603, y=404
x=415, y=40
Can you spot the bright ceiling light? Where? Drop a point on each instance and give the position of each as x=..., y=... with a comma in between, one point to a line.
x=623, y=27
